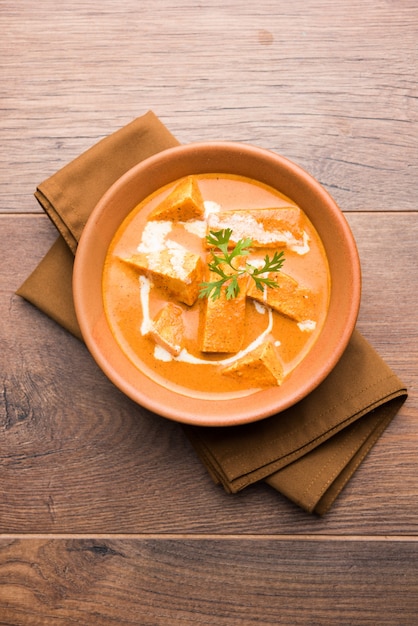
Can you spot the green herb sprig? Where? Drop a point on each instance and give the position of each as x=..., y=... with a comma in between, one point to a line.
x=220, y=241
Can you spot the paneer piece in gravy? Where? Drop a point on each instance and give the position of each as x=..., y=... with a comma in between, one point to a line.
x=175, y=270
x=167, y=329
x=266, y=227
x=289, y=298
x=222, y=321
x=259, y=368
x=184, y=203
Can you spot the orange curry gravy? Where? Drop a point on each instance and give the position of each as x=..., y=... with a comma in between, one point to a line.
x=203, y=378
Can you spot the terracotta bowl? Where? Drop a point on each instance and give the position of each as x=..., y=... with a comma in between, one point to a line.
x=230, y=158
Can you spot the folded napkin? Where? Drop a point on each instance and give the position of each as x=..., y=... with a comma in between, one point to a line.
x=307, y=452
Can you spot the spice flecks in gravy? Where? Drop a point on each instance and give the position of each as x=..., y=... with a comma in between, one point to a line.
x=145, y=250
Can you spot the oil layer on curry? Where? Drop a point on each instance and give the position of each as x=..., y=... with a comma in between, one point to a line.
x=214, y=347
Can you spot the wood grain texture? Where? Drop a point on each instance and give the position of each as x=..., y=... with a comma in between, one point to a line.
x=224, y=583
x=79, y=457
x=106, y=515
x=330, y=85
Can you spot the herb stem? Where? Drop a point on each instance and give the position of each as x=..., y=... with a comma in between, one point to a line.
x=220, y=240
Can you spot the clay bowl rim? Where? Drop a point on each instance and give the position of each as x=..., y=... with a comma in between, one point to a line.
x=228, y=157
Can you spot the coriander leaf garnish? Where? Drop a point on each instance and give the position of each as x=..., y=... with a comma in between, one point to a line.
x=270, y=265
x=229, y=280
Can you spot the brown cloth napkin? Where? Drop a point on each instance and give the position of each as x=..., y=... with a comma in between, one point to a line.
x=308, y=452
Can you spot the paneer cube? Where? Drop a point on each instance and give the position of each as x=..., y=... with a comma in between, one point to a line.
x=289, y=298
x=175, y=270
x=267, y=227
x=222, y=321
x=167, y=328
x=183, y=203
x=259, y=368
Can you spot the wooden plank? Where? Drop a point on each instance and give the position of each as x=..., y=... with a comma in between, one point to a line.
x=210, y=581
x=330, y=85
x=77, y=456
x=387, y=245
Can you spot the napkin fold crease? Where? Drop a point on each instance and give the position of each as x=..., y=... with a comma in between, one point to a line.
x=308, y=452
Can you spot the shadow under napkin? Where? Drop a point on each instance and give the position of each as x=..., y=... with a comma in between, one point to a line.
x=308, y=452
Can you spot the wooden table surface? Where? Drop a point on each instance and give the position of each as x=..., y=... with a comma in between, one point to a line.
x=106, y=514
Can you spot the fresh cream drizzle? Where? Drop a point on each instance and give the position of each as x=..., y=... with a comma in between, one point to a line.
x=161, y=354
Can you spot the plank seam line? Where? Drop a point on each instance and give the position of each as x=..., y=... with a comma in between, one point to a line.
x=211, y=537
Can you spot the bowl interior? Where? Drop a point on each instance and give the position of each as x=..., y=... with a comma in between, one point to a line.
x=229, y=158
